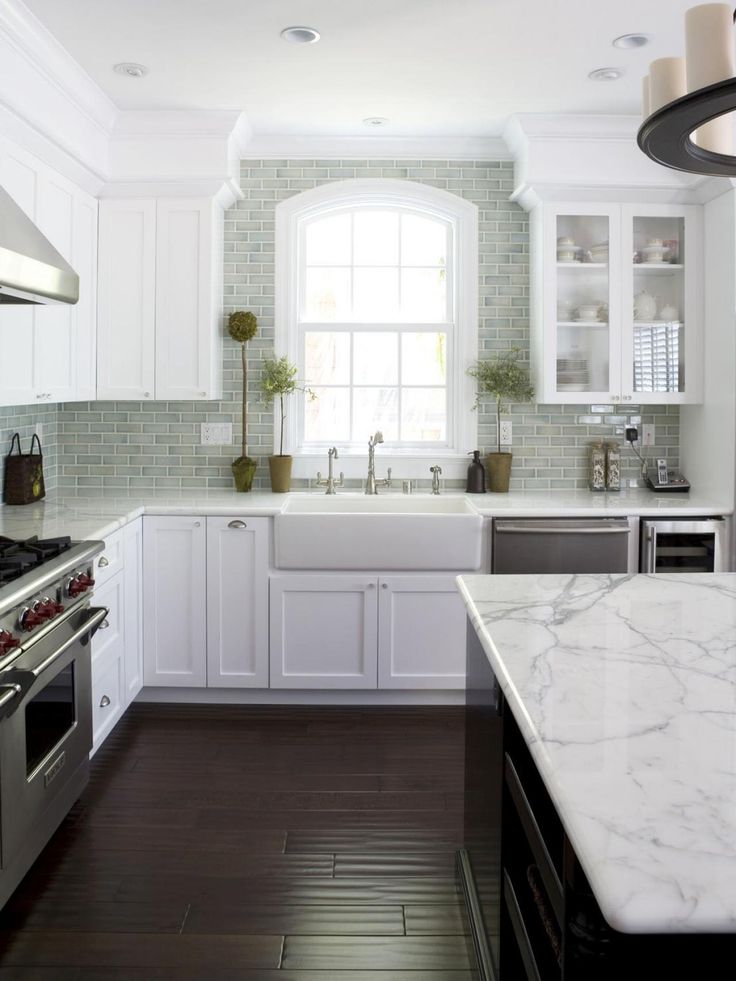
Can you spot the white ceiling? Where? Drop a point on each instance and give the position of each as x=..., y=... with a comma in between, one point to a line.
x=433, y=67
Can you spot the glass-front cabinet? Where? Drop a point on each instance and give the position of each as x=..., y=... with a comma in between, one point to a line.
x=617, y=304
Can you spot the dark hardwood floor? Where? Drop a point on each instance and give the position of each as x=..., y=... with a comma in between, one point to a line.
x=252, y=843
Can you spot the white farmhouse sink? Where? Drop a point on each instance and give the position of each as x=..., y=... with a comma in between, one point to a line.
x=378, y=532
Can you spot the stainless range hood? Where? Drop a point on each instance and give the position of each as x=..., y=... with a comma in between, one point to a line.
x=31, y=270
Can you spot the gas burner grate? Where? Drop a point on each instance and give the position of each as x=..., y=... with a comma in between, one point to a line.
x=21, y=555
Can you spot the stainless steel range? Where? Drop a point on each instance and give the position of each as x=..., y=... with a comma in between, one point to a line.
x=46, y=624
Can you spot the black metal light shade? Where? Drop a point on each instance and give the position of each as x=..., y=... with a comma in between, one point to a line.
x=665, y=136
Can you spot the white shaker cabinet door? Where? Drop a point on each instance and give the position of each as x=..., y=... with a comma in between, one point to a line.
x=133, y=572
x=421, y=640
x=323, y=631
x=188, y=299
x=237, y=602
x=126, y=300
x=174, y=601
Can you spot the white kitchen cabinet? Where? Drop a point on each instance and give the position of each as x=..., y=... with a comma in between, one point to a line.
x=237, y=602
x=589, y=262
x=160, y=295
x=324, y=631
x=47, y=350
x=126, y=300
x=133, y=619
x=174, y=601
x=421, y=633
x=108, y=651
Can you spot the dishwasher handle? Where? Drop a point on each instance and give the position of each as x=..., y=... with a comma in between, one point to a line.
x=582, y=528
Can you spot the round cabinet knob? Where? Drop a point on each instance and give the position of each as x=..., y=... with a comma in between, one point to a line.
x=203, y=395
x=104, y=701
x=237, y=524
x=197, y=524
x=384, y=585
x=103, y=563
x=371, y=585
x=146, y=395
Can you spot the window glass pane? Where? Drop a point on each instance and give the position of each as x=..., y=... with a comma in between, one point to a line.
x=327, y=358
x=423, y=241
x=423, y=414
x=376, y=358
x=375, y=408
x=424, y=359
x=376, y=238
x=327, y=294
x=423, y=295
x=376, y=293
x=328, y=241
x=327, y=417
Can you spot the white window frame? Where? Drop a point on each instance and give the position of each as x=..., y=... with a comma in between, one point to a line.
x=462, y=216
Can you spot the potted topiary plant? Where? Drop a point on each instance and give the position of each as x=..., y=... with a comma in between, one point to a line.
x=242, y=326
x=279, y=380
x=505, y=381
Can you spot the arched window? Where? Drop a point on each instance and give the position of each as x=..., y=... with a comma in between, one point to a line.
x=377, y=305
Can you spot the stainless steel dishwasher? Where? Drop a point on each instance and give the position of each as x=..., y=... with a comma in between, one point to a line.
x=560, y=545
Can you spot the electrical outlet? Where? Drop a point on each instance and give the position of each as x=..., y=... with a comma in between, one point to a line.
x=647, y=434
x=506, y=432
x=216, y=433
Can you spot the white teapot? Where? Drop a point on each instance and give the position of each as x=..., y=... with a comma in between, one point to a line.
x=645, y=306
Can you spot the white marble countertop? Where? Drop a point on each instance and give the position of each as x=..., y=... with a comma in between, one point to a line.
x=625, y=690
x=98, y=513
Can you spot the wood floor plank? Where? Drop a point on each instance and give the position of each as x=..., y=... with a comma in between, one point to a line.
x=48, y=914
x=395, y=863
x=216, y=918
x=436, y=921
x=376, y=953
x=138, y=950
x=372, y=840
x=223, y=974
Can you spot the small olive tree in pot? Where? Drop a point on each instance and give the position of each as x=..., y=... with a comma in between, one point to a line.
x=279, y=380
x=503, y=379
x=242, y=326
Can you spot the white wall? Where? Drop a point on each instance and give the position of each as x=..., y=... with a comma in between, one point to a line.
x=708, y=431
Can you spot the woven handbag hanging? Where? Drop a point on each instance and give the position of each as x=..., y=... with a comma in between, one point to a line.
x=23, y=480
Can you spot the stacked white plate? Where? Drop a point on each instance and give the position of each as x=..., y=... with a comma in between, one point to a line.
x=573, y=374
x=599, y=253
x=654, y=254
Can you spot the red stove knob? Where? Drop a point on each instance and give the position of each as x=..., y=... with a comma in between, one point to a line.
x=45, y=608
x=29, y=619
x=85, y=580
x=7, y=642
x=74, y=587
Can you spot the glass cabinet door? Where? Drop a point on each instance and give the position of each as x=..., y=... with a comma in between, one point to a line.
x=586, y=257
x=661, y=325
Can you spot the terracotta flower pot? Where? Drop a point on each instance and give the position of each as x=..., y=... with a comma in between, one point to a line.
x=244, y=469
x=280, y=467
x=498, y=468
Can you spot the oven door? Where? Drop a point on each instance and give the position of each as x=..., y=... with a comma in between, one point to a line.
x=46, y=727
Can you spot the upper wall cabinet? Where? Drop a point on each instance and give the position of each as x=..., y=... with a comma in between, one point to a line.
x=617, y=304
x=47, y=352
x=160, y=295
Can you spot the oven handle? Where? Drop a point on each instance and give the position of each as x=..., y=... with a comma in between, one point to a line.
x=10, y=692
x=98, y=614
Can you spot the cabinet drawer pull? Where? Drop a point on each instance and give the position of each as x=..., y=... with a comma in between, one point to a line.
x=104, y=701
x=104, y=625
x=103, y=563
x=237, y=524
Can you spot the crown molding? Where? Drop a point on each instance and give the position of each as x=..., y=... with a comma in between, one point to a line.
x=265, y=146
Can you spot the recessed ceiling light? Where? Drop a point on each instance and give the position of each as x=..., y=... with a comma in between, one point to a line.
x=632, y=40
x=606, y=74
x=131, y=69
x=300, y=35
x=375, y=122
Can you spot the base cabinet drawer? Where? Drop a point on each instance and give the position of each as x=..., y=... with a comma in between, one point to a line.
x=107, y=703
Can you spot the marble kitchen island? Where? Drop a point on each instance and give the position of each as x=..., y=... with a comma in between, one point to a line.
x=615, y=789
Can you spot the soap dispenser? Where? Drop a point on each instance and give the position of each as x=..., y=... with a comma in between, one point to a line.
x=476, y=475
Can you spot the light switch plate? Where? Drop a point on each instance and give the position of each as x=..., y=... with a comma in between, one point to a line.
x=506, y=432
x=216, y=433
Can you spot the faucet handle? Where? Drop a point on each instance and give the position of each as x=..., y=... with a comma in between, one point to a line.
x=388, y=478
x=435, y=469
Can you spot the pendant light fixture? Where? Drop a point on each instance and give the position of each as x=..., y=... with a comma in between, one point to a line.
x=688, y=102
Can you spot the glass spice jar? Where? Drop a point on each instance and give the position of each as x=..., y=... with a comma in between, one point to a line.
x=613, y=466
x=597, y=467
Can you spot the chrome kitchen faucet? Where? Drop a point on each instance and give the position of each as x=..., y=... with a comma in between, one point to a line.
x=371, y=484
x=330, y=483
